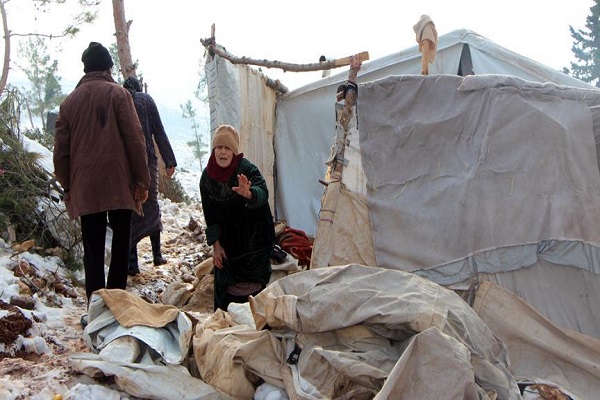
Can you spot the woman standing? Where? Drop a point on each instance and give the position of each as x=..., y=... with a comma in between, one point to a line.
x=238, y=219
x=149, y=224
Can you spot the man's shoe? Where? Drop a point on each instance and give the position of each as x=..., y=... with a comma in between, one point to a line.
x=133, y=271
x=159, y=260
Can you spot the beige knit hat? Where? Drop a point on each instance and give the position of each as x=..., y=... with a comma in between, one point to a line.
x=226, y=135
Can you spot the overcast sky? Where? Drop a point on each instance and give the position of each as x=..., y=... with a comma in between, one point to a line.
x=165, y=35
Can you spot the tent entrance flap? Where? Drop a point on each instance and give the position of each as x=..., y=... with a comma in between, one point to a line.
x=465, y=66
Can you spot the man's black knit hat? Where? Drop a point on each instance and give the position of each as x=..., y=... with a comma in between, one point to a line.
x=96, y=58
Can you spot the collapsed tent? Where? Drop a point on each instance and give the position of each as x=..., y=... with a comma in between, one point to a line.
x=353, y=331
x=350, y=331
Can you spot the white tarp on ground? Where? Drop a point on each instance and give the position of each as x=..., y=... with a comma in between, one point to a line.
x=362, y=333
x=142, y=345
x=357, y=327
x=306, y=117
x=366, y=332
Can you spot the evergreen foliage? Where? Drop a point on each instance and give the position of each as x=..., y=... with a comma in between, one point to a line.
x=116, y=71
x=45, y=138
x=171, y=188
x=586, y=48
x=199, y=148
x=22, y=180
x=41, y=71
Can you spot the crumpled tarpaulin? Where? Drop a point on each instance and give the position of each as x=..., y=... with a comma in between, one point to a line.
x=147, y=381
x=114, y=313
x=537, y=348
x=358, y=329
x=142, y=345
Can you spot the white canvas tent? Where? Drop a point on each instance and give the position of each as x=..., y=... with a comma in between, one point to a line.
x=464, y=180
x=547, y=136
x=485, y=178
x=305, y=117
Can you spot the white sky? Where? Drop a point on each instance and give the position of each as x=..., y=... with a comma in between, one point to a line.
x=165, y=35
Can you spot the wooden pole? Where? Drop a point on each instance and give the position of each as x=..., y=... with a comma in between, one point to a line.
x=285, y=66
x=349, y=101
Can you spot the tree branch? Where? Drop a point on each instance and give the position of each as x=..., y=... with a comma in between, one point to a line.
x=213, y=48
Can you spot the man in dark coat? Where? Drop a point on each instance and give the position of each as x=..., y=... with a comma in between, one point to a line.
x=100, y=161
x=239, y=224
x=150, y=223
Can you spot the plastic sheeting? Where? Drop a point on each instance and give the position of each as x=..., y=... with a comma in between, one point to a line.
x=142, y=346
x=163, y=329
x=144, y=381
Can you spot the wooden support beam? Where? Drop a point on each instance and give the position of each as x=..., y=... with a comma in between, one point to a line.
x=285, y=66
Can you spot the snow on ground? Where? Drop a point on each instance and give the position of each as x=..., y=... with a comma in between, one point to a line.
x=35, y=365
x=46, y=321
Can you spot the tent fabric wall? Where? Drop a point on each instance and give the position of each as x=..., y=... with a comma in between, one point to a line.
x=490, y=168
x=239, y=96
x=566, y=295
x=529, y=226
x=485, y=175
x=344, y=230
x=306, y=116
x=538, y=349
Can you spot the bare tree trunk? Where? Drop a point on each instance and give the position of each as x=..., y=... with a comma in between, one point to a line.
x=128, y=68
x=29, y=114
x=6, y=62
x=122, y=33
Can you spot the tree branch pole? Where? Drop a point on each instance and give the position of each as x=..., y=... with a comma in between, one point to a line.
x=212, y=47
x=349, y=101
x=6, y=60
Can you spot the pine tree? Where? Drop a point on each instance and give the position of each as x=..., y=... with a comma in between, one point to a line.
x=86, y=14
x=199, y=147
x=586, y=48
x=41, y=71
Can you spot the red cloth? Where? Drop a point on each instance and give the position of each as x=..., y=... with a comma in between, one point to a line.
x=296, y=243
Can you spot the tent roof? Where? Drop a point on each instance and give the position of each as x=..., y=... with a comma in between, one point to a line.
x=482, y=49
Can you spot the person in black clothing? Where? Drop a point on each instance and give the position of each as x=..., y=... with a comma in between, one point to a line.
x=150, y=223
x=239, y=221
